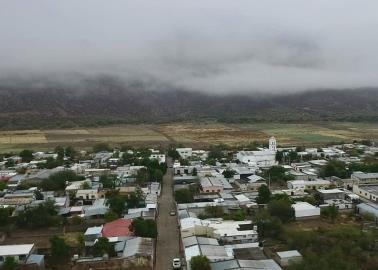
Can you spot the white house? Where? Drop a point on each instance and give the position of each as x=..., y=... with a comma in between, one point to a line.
x=184, y=152
x=305, y=210
x=261, y=158
x=23, y=254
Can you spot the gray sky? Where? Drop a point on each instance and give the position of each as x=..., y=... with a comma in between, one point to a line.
x=214, y=46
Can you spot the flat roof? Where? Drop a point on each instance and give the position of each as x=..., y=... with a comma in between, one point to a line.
x=12, y=250
x=288, y=254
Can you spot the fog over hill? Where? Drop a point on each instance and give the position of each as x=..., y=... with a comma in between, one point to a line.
x=106, y=100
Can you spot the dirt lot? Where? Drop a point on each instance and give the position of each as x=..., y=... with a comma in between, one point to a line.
x=190, y=134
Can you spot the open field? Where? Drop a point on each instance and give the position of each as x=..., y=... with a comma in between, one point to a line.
x=191, y=134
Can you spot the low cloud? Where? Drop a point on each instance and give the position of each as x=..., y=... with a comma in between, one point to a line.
x=217, y=46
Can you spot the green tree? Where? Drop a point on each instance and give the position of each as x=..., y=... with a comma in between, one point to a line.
x=142, y=176
x=57, y=181
x=102, y=246
x=10, y=163
x=157, y=175
x=108, y=180
x=282, y=209
x=134, y=199
x=5, y=215
x=173, y=154
x=268, y=226
x=38, y=195
x=59, y=247
x=10, y=263
x=335, y=168
x=117, y=204
x=279, y=156
x=3, y=185
x=144, y=227
x=26, y=155
x=228, y=173
x=43, y=215
x=264, y=194
x=331, y=212
x=184, y=196
x=86, y=185
x=110, y=216
x=200, y=263
x=214, y=211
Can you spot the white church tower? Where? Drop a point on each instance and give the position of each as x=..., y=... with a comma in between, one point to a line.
x=272, y=144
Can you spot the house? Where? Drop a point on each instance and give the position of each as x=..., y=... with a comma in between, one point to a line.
x=117, y=228
x=285, y=258
x=365, y=178
x=303, y=184
x=91, y=235
x=370, y=209
x=267, y=264
x=251, y=183
x=215, y=184
x=226, y=231
x=303, y=210
x=261, y=158
x=23, y=254
x=158, y=157
x=331, y=194
x=369, y=192
x=138, y=247
x=184, y=152
x=87, y=194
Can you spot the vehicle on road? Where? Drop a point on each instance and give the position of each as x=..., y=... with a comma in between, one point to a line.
x=176, y=263
x=172, y=213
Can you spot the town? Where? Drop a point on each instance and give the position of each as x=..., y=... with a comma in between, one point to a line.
x=261, y=206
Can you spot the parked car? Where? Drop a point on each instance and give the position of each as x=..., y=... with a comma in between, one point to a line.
x=176, y=263
x=172, y=213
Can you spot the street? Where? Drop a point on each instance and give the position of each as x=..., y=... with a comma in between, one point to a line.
x=167, y=246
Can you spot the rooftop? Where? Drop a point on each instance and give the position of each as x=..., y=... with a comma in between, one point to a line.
x=8, y=250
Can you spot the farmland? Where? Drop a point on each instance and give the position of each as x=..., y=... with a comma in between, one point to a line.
x=191, y=134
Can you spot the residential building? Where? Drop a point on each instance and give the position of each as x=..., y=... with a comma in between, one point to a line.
x=286, y=258
x=304, y=210
x=369, y=192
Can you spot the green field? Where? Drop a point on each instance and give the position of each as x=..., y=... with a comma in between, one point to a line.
x=191, y=134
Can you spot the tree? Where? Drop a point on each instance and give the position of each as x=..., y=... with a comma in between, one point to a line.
x=101, y=147
x=184, y=196
x=228, y=173
x=335, y=168
x=3, y=185
x=117, y=203
x=134, y=199
x=5, y=214
x=110, y=216
x=173, y=154
x=102, y=246
x=157, y=175
x=26, y=155
x=108, y=181
x=144, y=227
x=43, y=215
x=86, y=185
x=279, y=156
x=264, y=194
x=38, y=195
x=214, y=211
x=200, y=263
x=59, y=247
x=282, y=209
x=268, y=226
x=331, y=212
x=57, y=181
x=10, y=163
x=10, y=263
x=142, y=176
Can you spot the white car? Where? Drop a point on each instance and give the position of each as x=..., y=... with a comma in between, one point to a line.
x=176, y=263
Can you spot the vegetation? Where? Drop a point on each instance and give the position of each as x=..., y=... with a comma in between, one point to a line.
x=330, y=212
x=10, y=263
x=277, y=174
x=281, y=208
x=184, y=195
x=228, y=173
x=57, y=181
x=339, y=247
x=103, y=246
x=144, y=227
x=100, y=147
x=335, y=168
x=110, y=216
x=200, y=263
x=26, y=155
x=43, y=215
x=59, y=247
x=108, y=181
x=264, y=194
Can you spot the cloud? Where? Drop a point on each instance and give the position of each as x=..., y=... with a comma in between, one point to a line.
x=216, y=46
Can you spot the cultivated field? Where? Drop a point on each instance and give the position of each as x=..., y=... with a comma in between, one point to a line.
x=191, y=134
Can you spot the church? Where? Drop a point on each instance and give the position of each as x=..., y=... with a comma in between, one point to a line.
x=260, y=158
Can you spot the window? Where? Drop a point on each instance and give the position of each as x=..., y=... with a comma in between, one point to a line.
x=22, y=257
x=1, y=258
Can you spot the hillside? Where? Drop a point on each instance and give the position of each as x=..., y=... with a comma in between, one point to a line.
x=108, y=101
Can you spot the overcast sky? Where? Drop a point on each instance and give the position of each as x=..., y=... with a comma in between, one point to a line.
x=214, y=46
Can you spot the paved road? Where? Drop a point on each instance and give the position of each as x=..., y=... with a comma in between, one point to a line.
x=168, y=235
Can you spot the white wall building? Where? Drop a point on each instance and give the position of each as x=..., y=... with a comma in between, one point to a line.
x=305, y=210
x=184, y=152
